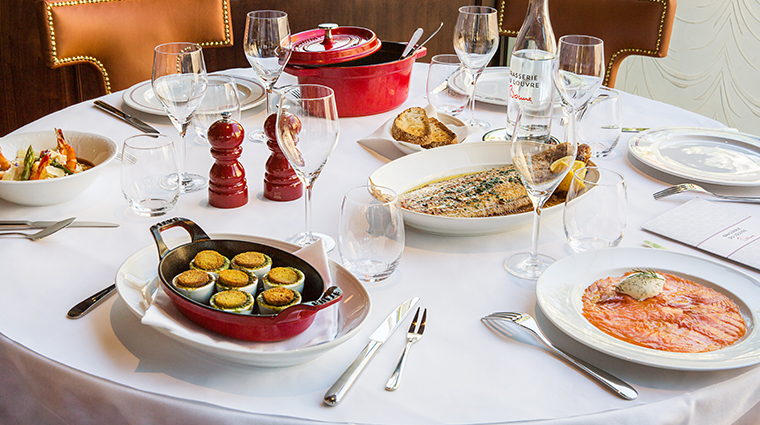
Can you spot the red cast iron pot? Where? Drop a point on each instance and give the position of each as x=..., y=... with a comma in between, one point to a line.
x=366, y=86
x=252, y=327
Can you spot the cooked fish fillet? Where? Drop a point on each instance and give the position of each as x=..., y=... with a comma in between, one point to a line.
x=487, y=193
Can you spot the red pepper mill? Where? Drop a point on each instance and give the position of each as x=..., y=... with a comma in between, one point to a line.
x=280, y=181
x=227, y=187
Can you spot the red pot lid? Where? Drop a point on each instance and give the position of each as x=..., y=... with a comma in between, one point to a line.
x=330, y=44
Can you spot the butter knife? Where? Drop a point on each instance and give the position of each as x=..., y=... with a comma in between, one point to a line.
x=339, y=389
x=129, y=119
x=26, y=224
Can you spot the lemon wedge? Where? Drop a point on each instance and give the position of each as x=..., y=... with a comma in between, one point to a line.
x=564, y=186
x=560, y=165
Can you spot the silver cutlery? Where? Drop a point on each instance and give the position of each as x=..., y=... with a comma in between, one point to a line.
x=85, y=306
x=419, y=46
x=612, y=383
x=339, y=389
x=129, y=119
x=410, y=44
x=686, y=187
x=44, y=232
x=413, y=335
x=26, y=224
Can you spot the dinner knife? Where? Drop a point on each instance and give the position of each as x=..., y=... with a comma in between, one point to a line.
x=25, y=224
x=134, y=122
x=339, y=389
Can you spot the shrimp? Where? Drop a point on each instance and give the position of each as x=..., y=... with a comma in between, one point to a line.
x=39, y=171
x=4, y=163
x=66, y=149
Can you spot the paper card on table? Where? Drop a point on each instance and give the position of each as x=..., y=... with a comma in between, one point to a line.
x=714, y=228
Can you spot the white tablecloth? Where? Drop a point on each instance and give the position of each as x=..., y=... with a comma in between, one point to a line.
x=109, y=368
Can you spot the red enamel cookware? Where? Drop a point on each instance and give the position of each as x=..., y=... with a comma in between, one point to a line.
x=252, y=327
x=366, y=74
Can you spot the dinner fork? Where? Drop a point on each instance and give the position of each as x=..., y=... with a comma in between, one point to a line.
x=412, y=336
x=612, y=383
x=686, y=187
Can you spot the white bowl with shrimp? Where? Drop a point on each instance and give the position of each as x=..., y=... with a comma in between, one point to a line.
x=90, y=147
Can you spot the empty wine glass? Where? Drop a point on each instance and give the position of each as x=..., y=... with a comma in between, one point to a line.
x=221, y=96
x=307, y=132
x=579, y=69
x=542, y=162
x=179, y=82
x=267, y=46
x=476, y=38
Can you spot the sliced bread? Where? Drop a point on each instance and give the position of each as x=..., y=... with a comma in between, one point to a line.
x=412, y=125
x=440, y=135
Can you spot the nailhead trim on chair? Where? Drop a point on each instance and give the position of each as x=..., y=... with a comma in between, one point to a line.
x=616, y=54
x=62, y=61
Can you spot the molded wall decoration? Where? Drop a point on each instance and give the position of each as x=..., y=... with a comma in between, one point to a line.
x=712, y=67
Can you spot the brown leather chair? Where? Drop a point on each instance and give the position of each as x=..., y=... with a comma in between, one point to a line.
x=118, y=36
x=628, y=27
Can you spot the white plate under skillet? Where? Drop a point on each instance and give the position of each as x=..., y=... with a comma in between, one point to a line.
x=141, y=97
x=561, y=286
x=411, y=171
x=715, y=156
x=137, y=279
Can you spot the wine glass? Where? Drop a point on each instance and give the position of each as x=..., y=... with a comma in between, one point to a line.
x=179, y=82
x=542, y=162
x=307, y=131
x=221, y=96
x=578, y=70
x=267, y=47
x=476, y=38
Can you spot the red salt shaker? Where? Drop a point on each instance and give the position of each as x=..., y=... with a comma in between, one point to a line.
x=227, y=187
x=280, y=181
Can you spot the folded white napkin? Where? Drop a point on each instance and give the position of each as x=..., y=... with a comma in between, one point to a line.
x=162, y=314
x=712, y=227
x=382, y=142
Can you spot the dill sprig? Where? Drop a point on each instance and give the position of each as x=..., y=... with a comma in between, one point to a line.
x=647, y=273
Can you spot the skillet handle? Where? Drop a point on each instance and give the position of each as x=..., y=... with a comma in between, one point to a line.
x=331, y=296
x=196, y=233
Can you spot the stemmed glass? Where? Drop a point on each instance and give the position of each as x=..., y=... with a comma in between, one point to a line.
x=267, y=47
x=542, y=162
x=476, y=38
x=221, y=96
x=307, y=131
x=179, y=82
x=578, y=70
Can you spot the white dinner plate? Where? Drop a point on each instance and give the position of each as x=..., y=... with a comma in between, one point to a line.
x=492, y=87
x=414, y=170
x=141, y=97
x=561, y=286
x=454, y=124
x=137, y=278
x=716, y=156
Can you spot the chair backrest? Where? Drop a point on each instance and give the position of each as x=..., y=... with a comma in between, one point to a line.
x=628, y=27
x=118, y=36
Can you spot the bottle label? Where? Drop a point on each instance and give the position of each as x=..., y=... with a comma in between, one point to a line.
x=530, y=81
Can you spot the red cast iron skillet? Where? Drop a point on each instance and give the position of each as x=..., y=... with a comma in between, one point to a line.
x=252, y=327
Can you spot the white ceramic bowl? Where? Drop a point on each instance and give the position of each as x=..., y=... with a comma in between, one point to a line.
x=94, y=148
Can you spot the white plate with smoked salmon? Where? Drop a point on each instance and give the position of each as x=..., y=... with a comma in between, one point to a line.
x=702, y=302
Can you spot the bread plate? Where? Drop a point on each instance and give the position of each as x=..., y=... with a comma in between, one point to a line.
x=454, y=124
x=414, y=170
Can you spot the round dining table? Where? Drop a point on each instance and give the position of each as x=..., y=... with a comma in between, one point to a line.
x=109, y=367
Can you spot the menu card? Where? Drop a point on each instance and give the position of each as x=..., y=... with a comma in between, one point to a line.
x=712, y=227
